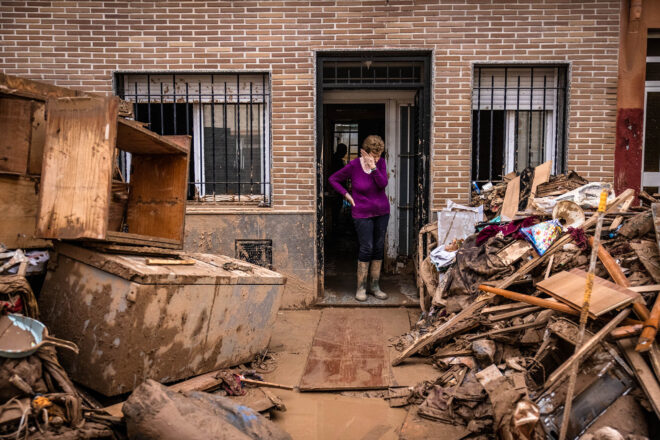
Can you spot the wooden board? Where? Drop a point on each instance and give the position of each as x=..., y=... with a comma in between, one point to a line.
x=19, y=201
x=541, y=175
x=134, y=138
x=15, y=129
x=511, y=199
x=77, y=171
x=643, y=373
x=347, y=353
x=568, y=287
x=647, y=251
x=157, y=197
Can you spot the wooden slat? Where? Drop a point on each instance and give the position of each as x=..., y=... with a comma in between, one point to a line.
x=541, y=175
x=15, y=133
x=347, y=352
x=134, y=138
x=645, y=376
x=142, y=240
x=511, y=199
x=77, y=171
x=19, y=201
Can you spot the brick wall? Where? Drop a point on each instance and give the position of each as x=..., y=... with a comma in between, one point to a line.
x=81, y=43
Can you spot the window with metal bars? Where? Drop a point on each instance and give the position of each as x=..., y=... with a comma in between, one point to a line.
x=228, y=117
x=518, y=119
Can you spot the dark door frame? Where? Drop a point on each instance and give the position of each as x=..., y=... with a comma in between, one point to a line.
x=424, y=89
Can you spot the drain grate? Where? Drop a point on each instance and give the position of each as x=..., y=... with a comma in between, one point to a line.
x=259, y=252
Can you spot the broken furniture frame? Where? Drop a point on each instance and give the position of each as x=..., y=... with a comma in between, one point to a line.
x=83, y=136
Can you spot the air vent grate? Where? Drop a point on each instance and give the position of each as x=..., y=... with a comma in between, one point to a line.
x=259, y=252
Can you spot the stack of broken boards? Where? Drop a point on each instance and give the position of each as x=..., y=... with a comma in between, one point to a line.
x=504, y=361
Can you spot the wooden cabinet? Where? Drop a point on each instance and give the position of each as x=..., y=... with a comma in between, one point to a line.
x=82, y=139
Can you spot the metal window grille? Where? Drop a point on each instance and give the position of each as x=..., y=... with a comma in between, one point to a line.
x=518, y=119
x=372, y=73
x=347, y=133
x=228, y=117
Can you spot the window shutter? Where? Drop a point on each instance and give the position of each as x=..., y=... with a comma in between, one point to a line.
x=491, y=89
x=192, y=88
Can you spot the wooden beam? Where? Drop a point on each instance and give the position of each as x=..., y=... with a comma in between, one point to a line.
x=645, y=376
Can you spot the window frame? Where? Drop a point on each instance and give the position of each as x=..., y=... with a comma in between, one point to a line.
x=196, y=178
x=554, y=151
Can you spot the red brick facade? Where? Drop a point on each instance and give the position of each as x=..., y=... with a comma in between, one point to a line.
x=81, y=44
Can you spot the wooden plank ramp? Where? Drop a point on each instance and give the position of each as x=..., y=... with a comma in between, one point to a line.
x=348, y=353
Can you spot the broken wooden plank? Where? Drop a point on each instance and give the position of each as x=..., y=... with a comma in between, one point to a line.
x=347, y=353
x=562, y=371
x=643, y=373
x=504, y=308
x=619, y=278
x=513, y=328
x=170, y=261
x=643, y=289
x=624, y=208
x=541, y=175
x=511, y=199
x=76, y=181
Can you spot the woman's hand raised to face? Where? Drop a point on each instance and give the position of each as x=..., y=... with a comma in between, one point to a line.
x=369, y=160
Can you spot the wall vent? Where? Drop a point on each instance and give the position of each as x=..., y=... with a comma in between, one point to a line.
x=259, y=252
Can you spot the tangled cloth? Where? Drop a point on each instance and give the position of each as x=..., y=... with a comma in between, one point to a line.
x=506, y=229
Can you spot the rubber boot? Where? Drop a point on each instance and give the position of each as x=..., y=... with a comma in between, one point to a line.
x=362, y=273
x=374, y=273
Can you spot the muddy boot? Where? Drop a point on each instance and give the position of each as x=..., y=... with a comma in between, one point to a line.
x=374, y=273
x=362, y=273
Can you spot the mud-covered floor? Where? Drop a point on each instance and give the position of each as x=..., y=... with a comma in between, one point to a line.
x=365, y=414
x=334, y=415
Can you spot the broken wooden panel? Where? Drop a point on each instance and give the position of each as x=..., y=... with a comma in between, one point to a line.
x=511, y=199
x=568, y=287
x=347, y=353
x=133, y=137
x=76, y=178
x=19, y=201
x=157, y=196
x=16, y=128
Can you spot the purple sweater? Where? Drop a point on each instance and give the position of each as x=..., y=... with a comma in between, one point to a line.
x=368, y=189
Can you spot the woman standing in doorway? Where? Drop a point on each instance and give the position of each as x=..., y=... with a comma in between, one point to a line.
x=370, y=211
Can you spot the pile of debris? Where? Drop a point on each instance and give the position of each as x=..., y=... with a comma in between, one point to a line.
x=503, y=308
x=113, y=244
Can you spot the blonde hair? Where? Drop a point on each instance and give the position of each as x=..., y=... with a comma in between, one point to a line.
x=373, y=144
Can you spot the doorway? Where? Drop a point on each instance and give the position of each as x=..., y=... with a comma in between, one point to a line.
x=392, y=107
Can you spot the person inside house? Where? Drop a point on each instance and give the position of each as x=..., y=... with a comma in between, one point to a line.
x=336, y=202
x=370, y=211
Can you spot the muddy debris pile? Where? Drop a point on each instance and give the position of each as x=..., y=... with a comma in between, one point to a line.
x=542, y=322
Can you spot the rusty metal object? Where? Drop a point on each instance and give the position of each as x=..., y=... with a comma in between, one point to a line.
x=547, y=304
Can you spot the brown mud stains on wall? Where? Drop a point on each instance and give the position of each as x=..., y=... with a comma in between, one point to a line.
x=293, y=236
x=629, y=146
